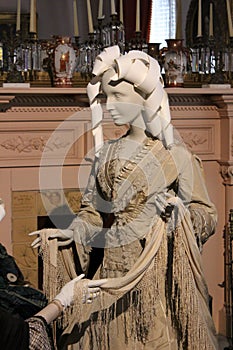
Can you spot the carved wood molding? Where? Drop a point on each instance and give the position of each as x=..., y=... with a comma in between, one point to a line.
x=194, y=139
x=5, y=99
x=226, y=171
x=43, y=100
x=201, y=140
x=31, y=145
x=26, y=144
x=194, y=108
x=189, y=100
x=224, y=101
x=47, y=109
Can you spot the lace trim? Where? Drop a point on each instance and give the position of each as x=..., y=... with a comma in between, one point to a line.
x=111, y=177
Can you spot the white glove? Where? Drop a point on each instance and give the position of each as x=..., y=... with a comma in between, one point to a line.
x=64, y=237
x=66, y=294
x=2, y=211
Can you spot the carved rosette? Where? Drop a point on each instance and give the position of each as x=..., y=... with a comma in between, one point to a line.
x=226, y=171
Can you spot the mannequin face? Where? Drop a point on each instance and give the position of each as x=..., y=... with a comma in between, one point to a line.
x=124, y=104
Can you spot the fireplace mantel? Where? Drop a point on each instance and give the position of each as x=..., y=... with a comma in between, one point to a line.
x=13, y=97
x=28, y=120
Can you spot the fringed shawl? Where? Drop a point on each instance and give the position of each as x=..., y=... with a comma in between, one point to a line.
x=167, y=265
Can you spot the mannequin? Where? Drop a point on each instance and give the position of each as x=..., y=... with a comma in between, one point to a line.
x=144, y=190
x=34, y=331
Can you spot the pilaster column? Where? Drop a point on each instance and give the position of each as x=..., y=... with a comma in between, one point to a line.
x=225, y=105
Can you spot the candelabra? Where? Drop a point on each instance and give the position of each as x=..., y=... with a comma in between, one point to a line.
x=87, y=53
x=22, y=56
x=137, y=43
x=229, y=59
x=104, y=35
x=212, y=60
x=114, y=33
x=11, y=44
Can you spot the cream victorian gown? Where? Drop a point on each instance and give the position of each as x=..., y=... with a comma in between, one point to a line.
x=165, y=304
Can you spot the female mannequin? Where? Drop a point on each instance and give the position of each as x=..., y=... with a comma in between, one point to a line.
x=143, y=191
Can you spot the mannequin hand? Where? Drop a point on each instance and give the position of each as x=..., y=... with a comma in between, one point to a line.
x=92, y=290
x=2, y=211
x=64, y=237
x=177, y=204
x=174, y=200
x=166, y=204
x=172, y=210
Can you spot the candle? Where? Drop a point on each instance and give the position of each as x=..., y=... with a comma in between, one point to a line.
x=113, y=8
x=121, y=12
x=178, y=20
x=211, y=30
x=138, y=16
x=76, y=33
x=89, y=14
x=18, y=16
x=229, y=19
x=33, y=17
x=199, y=28
x=100, y=12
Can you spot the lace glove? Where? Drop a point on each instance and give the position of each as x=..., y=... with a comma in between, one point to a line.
x=64, y=237
x=2, y=211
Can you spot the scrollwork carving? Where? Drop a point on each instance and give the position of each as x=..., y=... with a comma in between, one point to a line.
x=193, y=139
x=26, y=145
x=226, y=172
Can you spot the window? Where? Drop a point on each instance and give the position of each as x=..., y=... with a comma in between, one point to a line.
x=163, y=21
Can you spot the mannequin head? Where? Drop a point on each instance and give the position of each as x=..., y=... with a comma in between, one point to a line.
x=122, y=101
x=134, y=88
